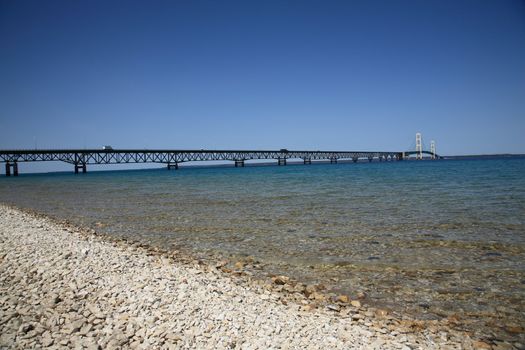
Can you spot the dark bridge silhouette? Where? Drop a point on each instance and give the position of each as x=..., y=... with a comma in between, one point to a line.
x=172, y=158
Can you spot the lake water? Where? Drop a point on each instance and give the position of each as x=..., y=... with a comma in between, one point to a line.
x=427, y=238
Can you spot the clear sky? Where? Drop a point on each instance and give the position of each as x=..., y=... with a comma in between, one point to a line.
x=334, y=75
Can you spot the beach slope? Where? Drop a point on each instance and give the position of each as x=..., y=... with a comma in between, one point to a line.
x=63, y=288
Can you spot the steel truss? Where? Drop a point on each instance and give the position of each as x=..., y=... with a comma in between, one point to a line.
x=81, y=158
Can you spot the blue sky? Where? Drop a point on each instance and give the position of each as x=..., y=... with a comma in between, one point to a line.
x=342, y=75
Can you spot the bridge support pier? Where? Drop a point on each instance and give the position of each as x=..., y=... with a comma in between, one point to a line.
x=333, y=160
x=281, y=161
x=239, y=163
x=8, y=166
x=308, y=161
x=370, y=159
x=173, y=166
x=355, y=159
x=80, y=166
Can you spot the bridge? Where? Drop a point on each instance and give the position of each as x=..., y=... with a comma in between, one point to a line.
x=80, y=158
x=419, y=154
x=172, y=158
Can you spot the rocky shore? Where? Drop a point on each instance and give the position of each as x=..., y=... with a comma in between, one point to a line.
x=65, y=288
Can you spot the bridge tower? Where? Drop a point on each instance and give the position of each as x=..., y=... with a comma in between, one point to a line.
x=419, y=146
x=433, y=149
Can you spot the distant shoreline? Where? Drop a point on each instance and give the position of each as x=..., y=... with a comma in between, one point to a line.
x=486, y=156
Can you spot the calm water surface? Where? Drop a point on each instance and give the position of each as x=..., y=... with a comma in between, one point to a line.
x=431, y=239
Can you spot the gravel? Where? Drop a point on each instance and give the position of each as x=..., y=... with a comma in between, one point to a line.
x=64, y=288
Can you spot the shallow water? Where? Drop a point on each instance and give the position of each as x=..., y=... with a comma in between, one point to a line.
x=431, y=239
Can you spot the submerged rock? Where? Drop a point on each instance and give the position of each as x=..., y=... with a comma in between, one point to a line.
x=281, y=280
x=343, y=299
x=355, y=303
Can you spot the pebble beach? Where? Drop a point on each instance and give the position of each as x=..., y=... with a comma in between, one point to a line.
x=63, y=287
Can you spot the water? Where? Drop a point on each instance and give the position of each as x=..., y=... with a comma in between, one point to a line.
x=428, y=239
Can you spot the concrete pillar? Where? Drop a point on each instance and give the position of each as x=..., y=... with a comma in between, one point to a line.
x=80, y=166
x=239, y=163
x=308, y=161
x=7, y=169
x=281, y=161
x=355, y=159
x=173, y=166
x=15, y=168
x=370, y=159
x=333, y=160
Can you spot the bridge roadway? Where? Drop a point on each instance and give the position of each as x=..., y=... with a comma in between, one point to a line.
x=79, y=158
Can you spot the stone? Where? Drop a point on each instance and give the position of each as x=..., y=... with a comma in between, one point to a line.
x=117, y=340
x=74, y=327
x=95, y=311
x=299, y=288
x=281, y=280
x=309, y=307
x=355, y=303
x=86, y=328
x=55, y=299
x=317, y=296
x=381, y=312
x=25, y=328
x=135, y=344
x=333, y=307
x=309, y=290
x=356, y=317
x=221, y=264
x=514, y=328
x=342, y=299
x=289, y=288
x=89, y=343
x=47, y=340
x=361, y=295
x=503, y=346
x=477, y=345
x=173, y=337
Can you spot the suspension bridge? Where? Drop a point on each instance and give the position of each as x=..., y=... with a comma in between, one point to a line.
x=80, y=158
